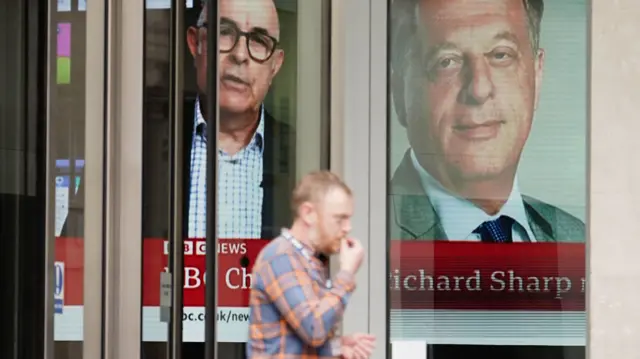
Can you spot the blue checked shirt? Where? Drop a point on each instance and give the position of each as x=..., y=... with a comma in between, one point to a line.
x=240, y=195
x=294, y=309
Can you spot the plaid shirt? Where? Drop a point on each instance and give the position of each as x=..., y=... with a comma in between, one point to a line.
x=294, y=308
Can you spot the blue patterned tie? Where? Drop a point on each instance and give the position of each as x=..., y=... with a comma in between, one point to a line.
x=201, y=130
x=496, y=231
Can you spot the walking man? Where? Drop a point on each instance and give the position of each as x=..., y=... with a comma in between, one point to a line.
x=295, y=307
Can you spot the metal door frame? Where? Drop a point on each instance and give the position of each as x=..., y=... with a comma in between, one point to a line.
x=358, y=82
x=211, y=294
x=94, y=180
x=124, y=104
x=95, y=76
x=123, y=178
x=123, y=217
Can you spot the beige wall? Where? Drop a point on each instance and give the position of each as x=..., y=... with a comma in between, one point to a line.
x=614, y=268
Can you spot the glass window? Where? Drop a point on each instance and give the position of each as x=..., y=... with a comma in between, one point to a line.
x=67, y=96
x=487, y=178
x=156, y=173
x=262, y=129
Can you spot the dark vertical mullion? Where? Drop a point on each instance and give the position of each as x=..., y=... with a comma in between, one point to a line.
x=32, y=263
x=212, y=180
x=176, y=251
x=387, y=242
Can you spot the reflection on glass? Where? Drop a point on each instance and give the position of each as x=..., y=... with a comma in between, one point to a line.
x=487, y=238
x=67, y=116
x=256, y=157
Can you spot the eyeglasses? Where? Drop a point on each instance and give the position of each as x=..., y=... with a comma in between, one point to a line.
x=260, y=44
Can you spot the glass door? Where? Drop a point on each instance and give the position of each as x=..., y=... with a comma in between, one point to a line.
x=164, y=169
x=74, y=180
x=247, y=120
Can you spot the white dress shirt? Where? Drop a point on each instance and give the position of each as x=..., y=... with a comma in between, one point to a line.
x=460, y=217
x=240, y=193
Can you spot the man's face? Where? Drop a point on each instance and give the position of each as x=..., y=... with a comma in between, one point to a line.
x=333, y=220
x=471, y=87
x=244, y=82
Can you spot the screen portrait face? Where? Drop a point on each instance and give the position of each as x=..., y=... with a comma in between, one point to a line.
x=249, y=56
x=470, y=87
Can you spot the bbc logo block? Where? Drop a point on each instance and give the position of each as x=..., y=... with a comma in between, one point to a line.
x=191, y=247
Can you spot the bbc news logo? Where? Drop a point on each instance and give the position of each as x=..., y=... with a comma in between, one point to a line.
x=58, y=292
x=190, y=248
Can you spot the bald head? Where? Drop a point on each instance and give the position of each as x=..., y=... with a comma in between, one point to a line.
x=252, y=13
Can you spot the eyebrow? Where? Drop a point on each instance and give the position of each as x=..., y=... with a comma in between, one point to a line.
x=503, y=35
x=256, y=29
x=442, y=46
x=507, y=35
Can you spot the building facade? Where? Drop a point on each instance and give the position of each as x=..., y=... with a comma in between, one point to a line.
x=481, y=140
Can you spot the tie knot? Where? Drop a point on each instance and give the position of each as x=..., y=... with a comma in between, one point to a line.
x=498, y=230
x=201, y=129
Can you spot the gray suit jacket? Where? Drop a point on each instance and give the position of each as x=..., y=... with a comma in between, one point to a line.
x=412, y=216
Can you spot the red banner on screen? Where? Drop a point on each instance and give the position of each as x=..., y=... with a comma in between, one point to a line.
x=479, y=276
x=423, y=275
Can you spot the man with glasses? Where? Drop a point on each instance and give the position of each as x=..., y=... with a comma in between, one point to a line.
x=253, y=167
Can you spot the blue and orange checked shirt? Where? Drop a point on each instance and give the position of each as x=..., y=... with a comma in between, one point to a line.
x=294, y=309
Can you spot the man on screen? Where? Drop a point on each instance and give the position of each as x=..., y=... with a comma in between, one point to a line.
x=256, y=168
x=466, y=77
x=253, y=148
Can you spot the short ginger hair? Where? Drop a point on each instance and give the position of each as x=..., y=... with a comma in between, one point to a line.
x=314, y=186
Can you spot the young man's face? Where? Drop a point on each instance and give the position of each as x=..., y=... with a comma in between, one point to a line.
x=329, y=220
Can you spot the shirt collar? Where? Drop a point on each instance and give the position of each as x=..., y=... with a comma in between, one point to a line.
x=299, y=244
x=458, y=216
x=258, y=137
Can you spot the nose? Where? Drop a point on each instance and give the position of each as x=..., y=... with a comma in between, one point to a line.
x=347, y=226
x=240, y=52
x=479, y=84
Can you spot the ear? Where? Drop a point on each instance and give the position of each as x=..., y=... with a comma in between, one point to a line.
x=539, y=70
x=193, y=41
x=307, y=213
x=276, y=64
x=397, y=93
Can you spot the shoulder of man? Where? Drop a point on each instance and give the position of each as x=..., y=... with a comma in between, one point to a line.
x=280, y=160
x=412, y=216
x=275, y=126
x=276, y=247
x=565, y=226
